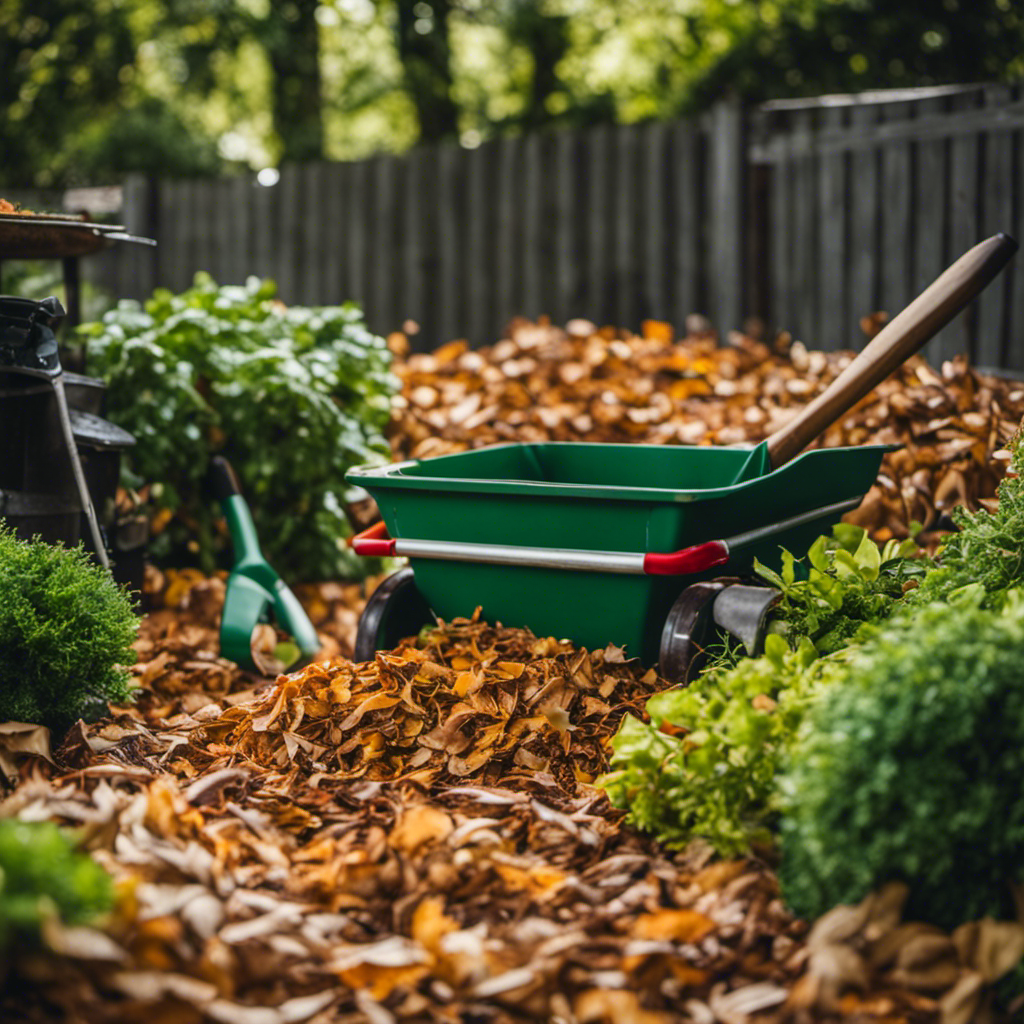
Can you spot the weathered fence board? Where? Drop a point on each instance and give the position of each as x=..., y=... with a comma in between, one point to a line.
x=931, y=202
x=831, y=263
x=916, y=178
x=808, y=214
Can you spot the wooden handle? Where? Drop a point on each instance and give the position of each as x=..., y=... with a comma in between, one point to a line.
x=894, y=344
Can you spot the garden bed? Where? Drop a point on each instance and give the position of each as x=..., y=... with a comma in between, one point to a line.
x=420, y=838
x=362, y=843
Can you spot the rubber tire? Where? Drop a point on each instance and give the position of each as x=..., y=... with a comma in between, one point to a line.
x=395, y=610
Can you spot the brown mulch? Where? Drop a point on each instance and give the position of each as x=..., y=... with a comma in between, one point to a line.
x=418, y=839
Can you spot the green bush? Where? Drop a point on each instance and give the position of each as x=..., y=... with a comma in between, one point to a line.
x=294, y=397
x=42, y=874
x=987, y=548
x=706, y=765
x=66, y=631
x=910, y=768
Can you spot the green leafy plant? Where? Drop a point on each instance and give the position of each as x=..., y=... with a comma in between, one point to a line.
x=41, y=874
x=293, y=397
x=706, y=764
x=988, y=547
x=848, y=581
x=910, y=767
x=66, y=631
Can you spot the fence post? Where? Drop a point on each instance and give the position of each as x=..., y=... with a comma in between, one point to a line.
x=727, y=191
x=137, y=264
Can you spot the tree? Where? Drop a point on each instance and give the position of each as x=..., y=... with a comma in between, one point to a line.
x=422, y=37
x=72, y=109
x=775, y=48
x=290, y=35
x=212, y=37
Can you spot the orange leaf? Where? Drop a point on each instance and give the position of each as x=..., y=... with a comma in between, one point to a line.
x=673, y=925
x=419, y=825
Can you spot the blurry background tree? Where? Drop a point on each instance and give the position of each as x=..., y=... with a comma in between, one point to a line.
x=92, y=89
x=772, y=48
x=71, y=98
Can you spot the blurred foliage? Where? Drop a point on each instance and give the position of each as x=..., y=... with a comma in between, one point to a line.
x=43, y=876
x=95, y=88
x=772, y=48
x=292, y=396
x=72, y=100
x=36, y=279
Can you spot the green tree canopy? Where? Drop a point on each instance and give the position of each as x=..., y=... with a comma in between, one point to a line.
x=94, y=88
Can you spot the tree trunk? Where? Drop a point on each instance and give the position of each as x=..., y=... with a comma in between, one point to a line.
x=293, y=47
x=426, y=66
x=547, y=40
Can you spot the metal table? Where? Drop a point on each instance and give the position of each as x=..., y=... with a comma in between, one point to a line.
x=36, y=236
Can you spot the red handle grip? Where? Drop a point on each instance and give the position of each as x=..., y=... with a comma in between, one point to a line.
x=373, y=542
x=689, y=560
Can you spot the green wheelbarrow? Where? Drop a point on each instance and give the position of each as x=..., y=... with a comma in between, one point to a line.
x=597, y=542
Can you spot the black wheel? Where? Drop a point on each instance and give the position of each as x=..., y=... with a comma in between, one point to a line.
x=710, y=613
x=688, y=627
x=396, y=609
x=742, y=612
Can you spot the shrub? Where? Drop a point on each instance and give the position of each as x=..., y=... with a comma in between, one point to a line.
x=910, y=768
x=706, y=765
x=294, y=397
x=66, y=631
x=41, y=874
x=988, y=547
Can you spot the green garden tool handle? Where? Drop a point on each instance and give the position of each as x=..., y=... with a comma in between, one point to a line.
x=245, y=542
x=253, y=584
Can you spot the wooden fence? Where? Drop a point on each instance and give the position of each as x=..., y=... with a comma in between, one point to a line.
x=806, y=214
x=863, y=200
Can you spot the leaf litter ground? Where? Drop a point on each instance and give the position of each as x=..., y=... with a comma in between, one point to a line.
x=417, y=839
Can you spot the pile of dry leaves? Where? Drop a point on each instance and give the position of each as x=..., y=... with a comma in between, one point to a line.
x=416, y=839
x=580, y=383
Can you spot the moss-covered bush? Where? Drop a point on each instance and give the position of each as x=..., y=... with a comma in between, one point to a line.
x=911, y=768
x=66, y=631
x=41, y=873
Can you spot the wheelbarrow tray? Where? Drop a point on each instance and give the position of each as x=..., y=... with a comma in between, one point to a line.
x=599, y=497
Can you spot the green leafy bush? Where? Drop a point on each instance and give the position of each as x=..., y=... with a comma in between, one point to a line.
x=294, y=397
x=66, y=631
x=988, y=547
x=41, y=874
x=706, y=765
x=910, y=767
x=848, y=582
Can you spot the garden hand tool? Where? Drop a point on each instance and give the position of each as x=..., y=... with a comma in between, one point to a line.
x=254, y=589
